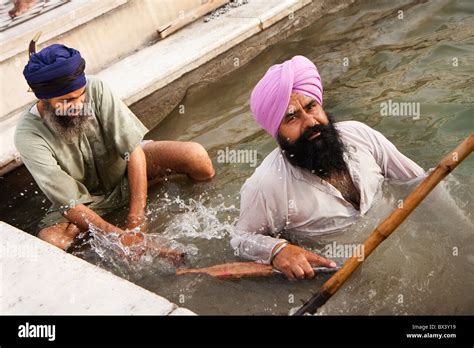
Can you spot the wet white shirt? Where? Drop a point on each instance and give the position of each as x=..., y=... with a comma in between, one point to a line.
x=280, y=196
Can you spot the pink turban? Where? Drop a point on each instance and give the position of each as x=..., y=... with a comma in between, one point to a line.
x=271, y=96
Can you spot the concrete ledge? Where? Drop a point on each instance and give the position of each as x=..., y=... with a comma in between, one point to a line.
x=158, y=65
x=269, y=11
x=53, y=24
x=38, y=278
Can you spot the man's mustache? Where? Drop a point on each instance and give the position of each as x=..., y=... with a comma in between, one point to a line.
x=311, y=131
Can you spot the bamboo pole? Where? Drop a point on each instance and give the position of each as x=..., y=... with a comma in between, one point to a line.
x=334, y=283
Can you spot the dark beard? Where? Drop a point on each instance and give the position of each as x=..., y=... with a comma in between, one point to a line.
x=323, y=155
x=68, y=127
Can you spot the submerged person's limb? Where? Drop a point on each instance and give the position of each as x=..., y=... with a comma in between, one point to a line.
x=60, y=235
x=137, y=178
x=190, y=158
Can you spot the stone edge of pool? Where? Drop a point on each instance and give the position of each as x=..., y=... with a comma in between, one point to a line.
x=37, y=278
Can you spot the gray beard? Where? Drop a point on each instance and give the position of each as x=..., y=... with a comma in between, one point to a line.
x=69, y=128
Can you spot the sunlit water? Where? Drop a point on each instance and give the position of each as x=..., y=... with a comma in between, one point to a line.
x=427, y=265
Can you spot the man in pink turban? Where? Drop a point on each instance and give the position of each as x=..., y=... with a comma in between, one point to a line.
x=321, y=178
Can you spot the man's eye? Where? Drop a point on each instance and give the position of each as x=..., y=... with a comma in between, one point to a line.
x=310, y=106
x=291, y=118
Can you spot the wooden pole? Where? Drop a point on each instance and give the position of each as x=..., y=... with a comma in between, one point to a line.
x=334, y=283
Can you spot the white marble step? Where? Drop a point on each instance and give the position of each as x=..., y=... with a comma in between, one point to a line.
x=37, y=278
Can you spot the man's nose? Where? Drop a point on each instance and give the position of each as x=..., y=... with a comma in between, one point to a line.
x=309, y=121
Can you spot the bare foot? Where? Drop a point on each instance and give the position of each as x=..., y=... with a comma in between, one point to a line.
x=20, y=7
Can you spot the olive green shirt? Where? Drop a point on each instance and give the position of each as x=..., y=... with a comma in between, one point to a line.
x=90, y=170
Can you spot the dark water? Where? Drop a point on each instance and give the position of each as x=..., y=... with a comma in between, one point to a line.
x=427, y=265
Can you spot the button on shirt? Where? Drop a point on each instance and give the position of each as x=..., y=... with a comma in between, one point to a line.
x=280, y=196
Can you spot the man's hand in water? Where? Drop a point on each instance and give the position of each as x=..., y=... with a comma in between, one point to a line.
x=139, y=244
x=297, y=263
x=129, y=238
x=135, y=221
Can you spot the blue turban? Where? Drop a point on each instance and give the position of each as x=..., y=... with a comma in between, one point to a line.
x=54, y=71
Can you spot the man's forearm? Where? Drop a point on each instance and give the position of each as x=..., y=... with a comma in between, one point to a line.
x=137, y=178
x=254, y=246
x=82, y=217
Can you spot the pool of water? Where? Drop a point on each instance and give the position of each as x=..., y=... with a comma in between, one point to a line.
x=408, y=60
x=366, y=55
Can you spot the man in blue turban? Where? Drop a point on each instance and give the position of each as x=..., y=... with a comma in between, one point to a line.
x=85, y=150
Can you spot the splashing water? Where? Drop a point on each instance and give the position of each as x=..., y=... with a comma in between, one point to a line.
x=186, y=220
x=195, y=220
x=130, y=262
